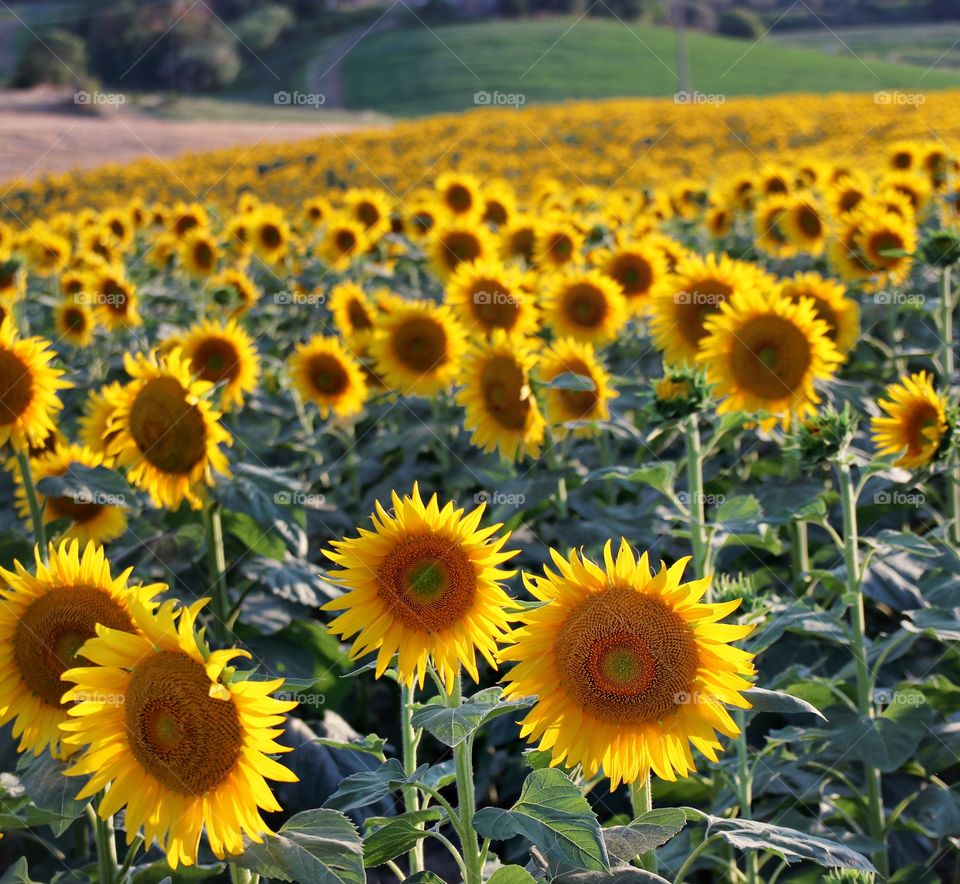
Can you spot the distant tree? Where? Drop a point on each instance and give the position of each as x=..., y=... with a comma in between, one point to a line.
x=56, y=56
x=739, y=22
x=262, y=27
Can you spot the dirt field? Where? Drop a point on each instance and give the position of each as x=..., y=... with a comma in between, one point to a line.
x=38, y=135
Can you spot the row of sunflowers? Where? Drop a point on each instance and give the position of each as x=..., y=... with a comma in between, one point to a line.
x=212, y=372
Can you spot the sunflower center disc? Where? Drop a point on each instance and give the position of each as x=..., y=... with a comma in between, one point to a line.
x=633, y=274
x=216, y=360
x=459, y=199
x=586, y=306
x=704, y=297
x=580, y=402
x=504, y=386
x=459, y=247
x=493, y=305
x=346, y=241
x=770, y=357
x=923, y=419
x=427, y=582
x=358, y=316
x=53, y=628
x=626, y=657
x=181, y=735
x=16, y=387
x=168, y=430
x=420, y=344
x=270, y=236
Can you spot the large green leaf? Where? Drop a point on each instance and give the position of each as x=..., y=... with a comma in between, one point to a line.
x=551, y=813
x=48, y=788
x=18, y=873
x=452, y=725
x=397, y=835
x=369, y=786
x=511, y=875
x=320, y=846
x=780, y=701
x=647, y=832
x=660, y=476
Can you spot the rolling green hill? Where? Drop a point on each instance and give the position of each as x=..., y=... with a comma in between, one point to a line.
x=410, y=70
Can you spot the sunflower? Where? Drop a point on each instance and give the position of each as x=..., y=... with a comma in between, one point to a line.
x=165, y=433
x=487, y=295
x=586, y=305
x=460, y=194
x=115, y=300
x=804, y=225
x=638, y=267
x=698, y=287
x=184, y=217
x=234, y=288
x=913, y=185
x=886, y=243
x=47, y=252
x=764, y=352
x=629, y=669
x=841, y=314
x=199, y=253
x=120, y=225
x=28, y=389
x=903, y=155
x=181, y=743
x=769, y=232
x=45, y=618
x=917, y=421
x=343, y=240
x=96, y=519
x=557, y=243
x=316, y=210
x=421, y=216
x=223, y=353
x=501, y=409
x=846, y=194
x=74, y=322
x=325, y=372
x=719, y=220
x=269, y=234
x=371, y=208
x=499, y=203
x=568, y=356
x=425, y=582
x=417, y=348
x=518, y=238
x=353, y=314
x=459, y=241
x=93, y=426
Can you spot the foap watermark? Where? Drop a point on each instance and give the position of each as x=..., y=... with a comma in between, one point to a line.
x=98, y=498
x=99, y=99
x=684, y=97
x=100, y=299
x=692, y=698
x=287, y=299
x=893, y=697
x=101, y=698
x=497, y=298
x=907, y=98
x=498, y=498
x=708, y=299
x=301, y=698
x=900, y=498
x=698, y=497
x=900, y=299
x=298, y=498
x=499, y=99
x=300, y=99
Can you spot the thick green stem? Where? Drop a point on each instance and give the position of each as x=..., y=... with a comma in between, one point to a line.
x=131, y=856
x=105, y=839
x=851, y=557
x=693, y=857
x=799, y=555
x=466, y=798
x=33, y=501
x=698, y=526
x=217, y=562
x=641, y=802
x=410, y=739
x=947, y=364
x=240, y=875
x=745, y=792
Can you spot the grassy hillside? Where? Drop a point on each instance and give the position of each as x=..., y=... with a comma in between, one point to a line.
x=413, y=70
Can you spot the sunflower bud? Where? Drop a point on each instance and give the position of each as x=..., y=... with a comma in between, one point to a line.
x=941, y=248
x=824, y=436
x=679, y=393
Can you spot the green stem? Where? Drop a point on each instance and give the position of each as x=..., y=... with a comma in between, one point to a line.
x=410, y=738
x=33, y=501
x=240, y=875
x=217, y=561
x=745, y=792
x=104, y=837
x=698, y=526
x=864, y=682
x=799, y=555
x=641, y=802
x=128, y=860
x=693, y=857
x=463, y=760
x=947, y=364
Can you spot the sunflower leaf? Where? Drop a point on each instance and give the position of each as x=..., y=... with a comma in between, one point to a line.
x=571, y=381
x=511, y=875
x=646, y=832
x=397, y=835
x=553, y=814
x=451, y=726
x=368, y=786
x=321, y=846
x=50, y=790
x=18, y=873
x=88, y=485
x=780, y=701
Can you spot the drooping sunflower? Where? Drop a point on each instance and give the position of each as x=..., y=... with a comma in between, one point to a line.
x=418, y=347
x=764, y=352
x=45, y=618
x=487, y=295
x=164, y=431
x=182, y=744
x=629, y=669
x=568, y=356
x=28, y=388
x=94, y=422
x=74, y=322
x=501, y=408
x=326, y=373
x=223, y=353
x=353, y=315
x=842, y=314
x=585, y=305
x=424, y=584
x=98, y=519
x=459, y=241
x=698, y=287
x=916, y=423
x=639, y=268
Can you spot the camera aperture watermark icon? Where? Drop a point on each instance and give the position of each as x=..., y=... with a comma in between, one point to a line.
x=300, y=299
x=900, y=498
x=499, y=498
x=299, y=498
x=99, y=99
x=914, y=99
x=708, y=98
x=499, y=99
x=900, y=299
x=299, y=99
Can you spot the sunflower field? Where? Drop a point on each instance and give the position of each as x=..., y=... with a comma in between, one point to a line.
x=564, y=494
